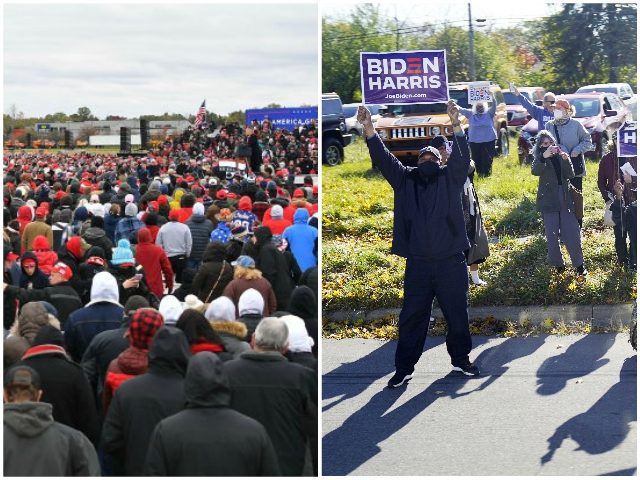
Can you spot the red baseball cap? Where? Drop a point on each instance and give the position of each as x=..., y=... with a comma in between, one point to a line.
x=298, y=193
x=221, y=194
x=12, y=256
x=63, y=269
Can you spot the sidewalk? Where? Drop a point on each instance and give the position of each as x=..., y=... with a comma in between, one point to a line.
x=595, y=314
x=543, y=405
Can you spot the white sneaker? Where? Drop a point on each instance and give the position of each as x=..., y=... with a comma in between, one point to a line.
x=479, y=282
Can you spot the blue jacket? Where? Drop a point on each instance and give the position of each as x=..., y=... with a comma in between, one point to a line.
x=541, y=114
x=301, y=238
x=85, y=323
x=428, y=220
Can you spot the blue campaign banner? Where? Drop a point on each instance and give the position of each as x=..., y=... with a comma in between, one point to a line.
x=628, y=140
x=285, y=118
x=418, y=76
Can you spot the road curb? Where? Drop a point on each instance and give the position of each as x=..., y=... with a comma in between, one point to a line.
x=594, y=314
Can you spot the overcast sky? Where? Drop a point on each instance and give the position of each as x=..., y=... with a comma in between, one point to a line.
x=132, y=60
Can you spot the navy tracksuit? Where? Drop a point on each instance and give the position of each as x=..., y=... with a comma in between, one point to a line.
x=429, y=230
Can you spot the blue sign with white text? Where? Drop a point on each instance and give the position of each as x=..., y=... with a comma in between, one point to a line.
x=284, y=118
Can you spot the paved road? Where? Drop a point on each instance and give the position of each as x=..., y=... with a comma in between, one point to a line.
x=545, y=405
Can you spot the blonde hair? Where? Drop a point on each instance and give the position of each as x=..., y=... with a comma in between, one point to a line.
x=247, y=273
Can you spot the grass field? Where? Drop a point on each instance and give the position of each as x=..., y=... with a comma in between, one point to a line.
x=360, y=273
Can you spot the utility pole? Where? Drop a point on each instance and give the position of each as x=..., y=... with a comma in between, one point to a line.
x=472, y=60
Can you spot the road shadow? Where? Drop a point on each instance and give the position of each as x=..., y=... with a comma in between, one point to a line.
x=627, y=472
x=580, y=359
x=351, y=379
x=356, y=440
x=606, y=424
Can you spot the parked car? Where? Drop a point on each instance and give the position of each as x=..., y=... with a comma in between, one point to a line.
x=623, y=90
x=516, y=113
x=405, y=129
x=334, y=130
x=600, y=113
x=350, y=113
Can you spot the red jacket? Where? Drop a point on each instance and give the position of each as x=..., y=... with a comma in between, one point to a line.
x=276, y=226
x=154, y=263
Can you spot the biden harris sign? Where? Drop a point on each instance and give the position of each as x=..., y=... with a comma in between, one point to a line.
x=418, y=76
x=628, y=140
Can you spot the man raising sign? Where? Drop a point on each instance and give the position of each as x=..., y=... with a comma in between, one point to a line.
x=429, y=231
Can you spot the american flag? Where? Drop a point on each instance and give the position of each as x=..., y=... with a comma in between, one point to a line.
x=200, y=116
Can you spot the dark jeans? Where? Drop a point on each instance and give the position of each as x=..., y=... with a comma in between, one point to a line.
x=626, y=255
x=482, y=155
x=447, y=281
x=178, y=263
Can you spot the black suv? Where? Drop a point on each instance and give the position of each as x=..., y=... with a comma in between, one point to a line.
x=334, y=136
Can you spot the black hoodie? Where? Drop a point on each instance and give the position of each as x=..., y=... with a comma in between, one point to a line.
x=140, y=403
x=37, y=279
x=209, y=438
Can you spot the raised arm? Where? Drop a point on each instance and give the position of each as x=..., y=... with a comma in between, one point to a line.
x=460, y=158
x=390, y=167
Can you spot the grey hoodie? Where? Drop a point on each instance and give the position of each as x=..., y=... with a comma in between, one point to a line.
x=36, y=445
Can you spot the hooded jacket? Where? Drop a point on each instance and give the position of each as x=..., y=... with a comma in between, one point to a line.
x=301, y=238
x=238, y=286
x=274, y=267
x=103, y=312
x=25, y=216
x=97, y=237
x=182, y=445
x=155, y=263
x=201, y=228
x=282, y=396
x=63, y=383
x=46, y=257
x=37, y=279
x=303, y=304
x=214, y=269
x=428, y=221
x=141, y=403
x=36, y=445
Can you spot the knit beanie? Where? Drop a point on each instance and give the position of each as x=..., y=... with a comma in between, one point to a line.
x=131, y=210
x=277, y=212
x=145, y=322
x=122, y=253
x=198, y=209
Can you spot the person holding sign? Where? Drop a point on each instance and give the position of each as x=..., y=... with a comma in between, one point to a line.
x=611, y=171
x=555, y=202
x=429, y=231
x=482, y=134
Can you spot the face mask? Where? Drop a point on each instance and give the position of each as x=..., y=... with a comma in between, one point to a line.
x=543, y=149
x=558, y=114
x=428, y=169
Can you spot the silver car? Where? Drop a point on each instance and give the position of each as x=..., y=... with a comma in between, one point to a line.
x=350, y=112
x=623, y=90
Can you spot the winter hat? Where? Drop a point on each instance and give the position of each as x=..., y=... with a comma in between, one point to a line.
x=41, y=243
x=131, y=210
x=49, y=335
x=194, y=303
x=277, y=212
x=80, y=214
x=134, y=303
x=122, y=253
x=32, y=317
x=244, y=203
x=250, y=301
x=221, y=309
x=299, y=339
x=144, y=235
x=41, y=212
x=171, y=309
x=198, y=209
x=145, y=322
x=104, y=288
x=51, y=310
x=97, y=222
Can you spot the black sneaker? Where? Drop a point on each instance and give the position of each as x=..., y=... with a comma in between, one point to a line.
x=399, y=379
x=467, y=368
x=581, y=270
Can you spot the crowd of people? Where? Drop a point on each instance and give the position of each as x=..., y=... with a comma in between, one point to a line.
x=264, y=147
x=160, y=313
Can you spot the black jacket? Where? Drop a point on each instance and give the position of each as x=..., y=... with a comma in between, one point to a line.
x=208, y=438
x=303, y=304
x=282, y=396
x=62, y=296
x=201, y=229
x=97, y=237
x=428, y=222
x=213, y=269
x=104, y=348
x=140, y=403
x=275, y=268
x=63, y=383
x=123, y=273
